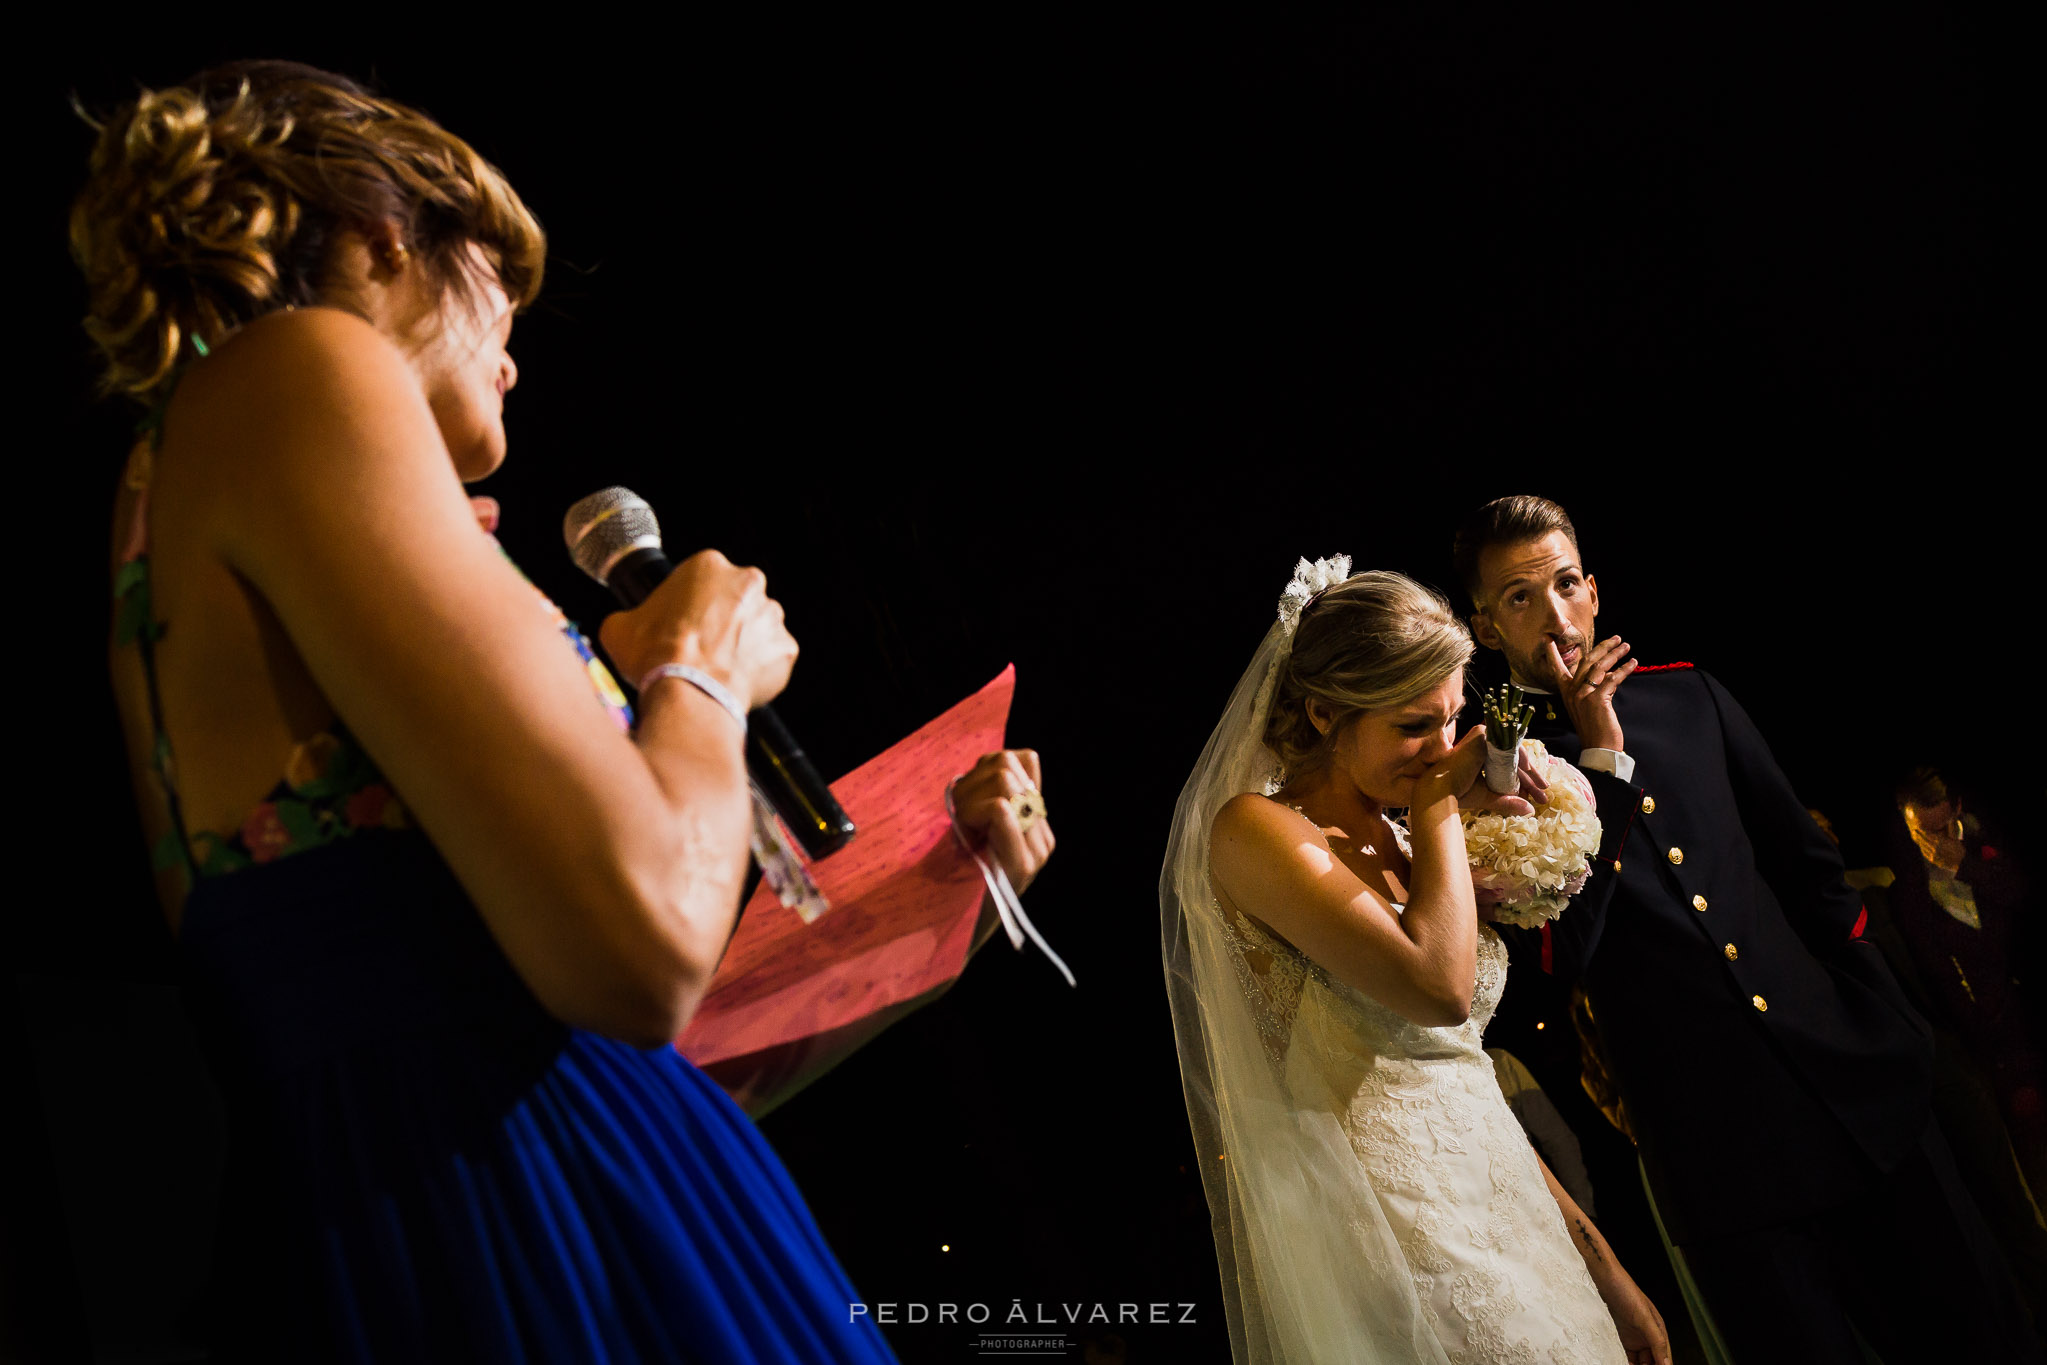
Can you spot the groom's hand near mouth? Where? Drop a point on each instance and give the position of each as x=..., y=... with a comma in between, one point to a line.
x=1587, y=690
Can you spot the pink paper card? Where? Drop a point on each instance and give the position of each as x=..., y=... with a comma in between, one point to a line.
x=905, y=898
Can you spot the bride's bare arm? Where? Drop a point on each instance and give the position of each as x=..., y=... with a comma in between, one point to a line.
x=1274, y=864
x=1641, y=1327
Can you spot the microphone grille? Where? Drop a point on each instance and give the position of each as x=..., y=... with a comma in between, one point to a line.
x=606, y=526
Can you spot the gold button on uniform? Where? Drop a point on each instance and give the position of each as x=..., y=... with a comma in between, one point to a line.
x=1677, y=855
x=1698, y=903
x=1731, y=953
x=1760, y=1003
x=1648, y=805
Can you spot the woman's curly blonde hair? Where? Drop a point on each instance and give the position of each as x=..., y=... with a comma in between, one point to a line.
x=217, y=201
x=1375, y=640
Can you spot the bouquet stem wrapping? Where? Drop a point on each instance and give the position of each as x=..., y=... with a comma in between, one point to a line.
x=1500, y=768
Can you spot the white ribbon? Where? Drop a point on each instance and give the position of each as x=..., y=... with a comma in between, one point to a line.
x=1017, y=924
x=1502, y=773
x=781, y=862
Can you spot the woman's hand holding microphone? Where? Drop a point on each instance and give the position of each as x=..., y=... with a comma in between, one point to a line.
x=712, y=615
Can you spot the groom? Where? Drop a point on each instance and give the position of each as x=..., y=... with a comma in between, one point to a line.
x=1777, y=1080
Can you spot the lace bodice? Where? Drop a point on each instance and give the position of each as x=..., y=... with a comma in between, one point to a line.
x=1493, y=1266
x=1273, y=974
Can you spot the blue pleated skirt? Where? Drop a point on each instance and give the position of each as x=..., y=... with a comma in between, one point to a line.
x=426, y=1166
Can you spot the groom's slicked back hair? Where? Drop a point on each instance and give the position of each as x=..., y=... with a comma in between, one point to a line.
x=1504, y=521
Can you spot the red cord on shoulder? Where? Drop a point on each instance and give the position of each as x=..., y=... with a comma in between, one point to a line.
x=1660, y=668
x=1861, y=921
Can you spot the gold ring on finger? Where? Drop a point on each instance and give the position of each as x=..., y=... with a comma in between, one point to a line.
x=1029, y=806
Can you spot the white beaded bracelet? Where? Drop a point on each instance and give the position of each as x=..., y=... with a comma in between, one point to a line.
x=704, y=683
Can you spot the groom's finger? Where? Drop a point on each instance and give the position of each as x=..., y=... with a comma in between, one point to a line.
x=1581, y=677
x=1588, y=658
x=1600, y=663
x=1602, y=656
x=1617, y=677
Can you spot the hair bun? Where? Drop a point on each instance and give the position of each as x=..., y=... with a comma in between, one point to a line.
x=212, y=203
x=174, y=231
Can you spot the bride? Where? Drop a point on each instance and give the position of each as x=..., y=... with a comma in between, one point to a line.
x=1373, y=1197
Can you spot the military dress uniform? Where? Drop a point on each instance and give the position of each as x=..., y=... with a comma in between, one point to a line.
x=1778, y=1080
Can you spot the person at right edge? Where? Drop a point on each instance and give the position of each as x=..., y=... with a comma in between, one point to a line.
x=1778, y=1080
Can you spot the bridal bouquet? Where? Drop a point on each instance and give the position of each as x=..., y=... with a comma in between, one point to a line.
x=1525, y=868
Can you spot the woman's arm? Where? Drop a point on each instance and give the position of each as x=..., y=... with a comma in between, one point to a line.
x=608, y=871
x=1641, y=1327
x=1275, y=864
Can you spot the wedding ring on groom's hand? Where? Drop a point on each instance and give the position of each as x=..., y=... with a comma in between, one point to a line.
x=1029, y=807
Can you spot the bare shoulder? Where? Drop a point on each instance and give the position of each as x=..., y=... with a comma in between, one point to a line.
x=1255, y=815
x=290, y=381
x=301, y=342
x=301, y=418
x=1252, y=827
x=305, y=352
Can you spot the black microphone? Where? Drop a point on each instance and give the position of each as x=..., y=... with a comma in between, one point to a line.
x=613, y=537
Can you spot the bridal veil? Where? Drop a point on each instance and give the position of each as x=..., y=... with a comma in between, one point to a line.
x=1311, y=1271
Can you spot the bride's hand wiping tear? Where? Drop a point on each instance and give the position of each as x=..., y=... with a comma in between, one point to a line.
x=1463, y=772
x=1464, y=769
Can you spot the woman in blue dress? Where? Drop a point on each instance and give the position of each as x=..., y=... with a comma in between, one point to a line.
x=442, y=902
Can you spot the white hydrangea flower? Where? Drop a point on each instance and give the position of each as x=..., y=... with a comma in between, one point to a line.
x=1309, y=579
x=1527, y=867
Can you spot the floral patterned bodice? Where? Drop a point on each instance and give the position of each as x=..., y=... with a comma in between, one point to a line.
x=330, y=789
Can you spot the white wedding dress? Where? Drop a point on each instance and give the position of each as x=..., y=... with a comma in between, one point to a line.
x=1494, y=1268
x=1373, y=1200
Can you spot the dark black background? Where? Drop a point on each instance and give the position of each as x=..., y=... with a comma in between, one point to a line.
x=1057, y=344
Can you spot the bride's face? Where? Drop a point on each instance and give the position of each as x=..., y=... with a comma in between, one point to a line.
x=1385, y=752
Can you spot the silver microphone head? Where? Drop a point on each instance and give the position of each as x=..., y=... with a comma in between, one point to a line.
x=606, y=527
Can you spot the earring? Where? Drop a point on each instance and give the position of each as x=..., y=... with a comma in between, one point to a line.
x=397, y=256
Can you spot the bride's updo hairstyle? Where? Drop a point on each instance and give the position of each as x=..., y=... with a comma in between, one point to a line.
x=217, y=201
x=1375, y=640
